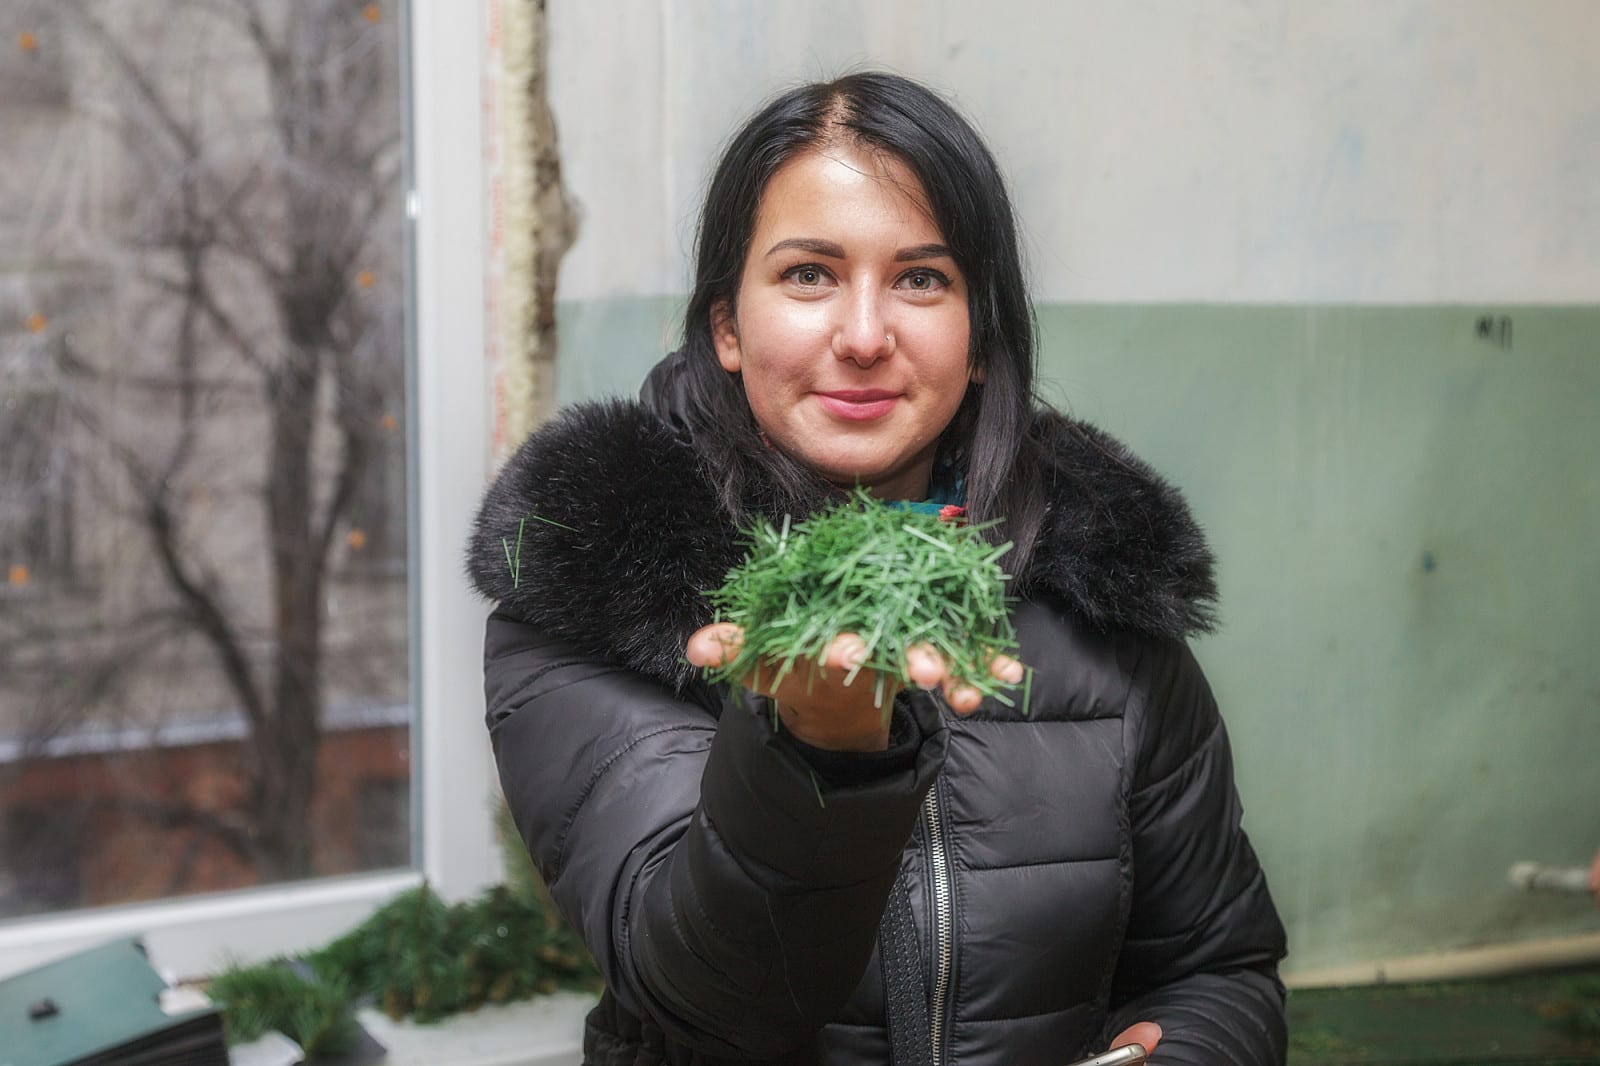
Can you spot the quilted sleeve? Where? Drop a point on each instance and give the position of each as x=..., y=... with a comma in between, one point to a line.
x=727, y=891
x=1203, y=939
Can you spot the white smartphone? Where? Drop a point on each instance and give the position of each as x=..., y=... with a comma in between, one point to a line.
x=1126, y=1055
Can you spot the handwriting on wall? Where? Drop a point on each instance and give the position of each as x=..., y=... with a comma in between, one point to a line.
x=1496, y=329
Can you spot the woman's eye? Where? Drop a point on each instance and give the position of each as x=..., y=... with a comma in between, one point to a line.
x=809, y=276
x=924, y=280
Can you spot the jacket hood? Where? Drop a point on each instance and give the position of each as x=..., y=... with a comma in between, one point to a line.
x=602, y=530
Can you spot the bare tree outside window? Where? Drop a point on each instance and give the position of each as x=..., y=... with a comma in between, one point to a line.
x=35, y=489
x=203, y=624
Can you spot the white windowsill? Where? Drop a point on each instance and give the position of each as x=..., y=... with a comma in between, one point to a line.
x=547, y=1031
x=193, y=937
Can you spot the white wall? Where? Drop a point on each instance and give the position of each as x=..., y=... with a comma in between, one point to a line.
x=1235, y=151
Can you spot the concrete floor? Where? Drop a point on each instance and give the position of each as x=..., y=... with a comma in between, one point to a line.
x=1541, y=1018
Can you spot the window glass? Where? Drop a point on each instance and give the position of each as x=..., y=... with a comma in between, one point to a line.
x=204, y=638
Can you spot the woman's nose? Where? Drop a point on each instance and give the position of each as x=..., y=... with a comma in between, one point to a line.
x=862, y=334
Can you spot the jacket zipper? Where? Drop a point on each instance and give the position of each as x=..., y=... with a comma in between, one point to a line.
x=943, y=946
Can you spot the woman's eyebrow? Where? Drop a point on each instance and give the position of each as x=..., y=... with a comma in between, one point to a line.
x=922, y=251
x=817, y=246
x=809, y=244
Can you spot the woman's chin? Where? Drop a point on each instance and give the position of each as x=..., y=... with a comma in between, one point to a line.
x=884, y=484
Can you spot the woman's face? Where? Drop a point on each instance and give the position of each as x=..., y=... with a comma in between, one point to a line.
x=851, y=328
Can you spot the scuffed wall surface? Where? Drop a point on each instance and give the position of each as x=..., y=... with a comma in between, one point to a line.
x=531, y=224
x=1383, y=151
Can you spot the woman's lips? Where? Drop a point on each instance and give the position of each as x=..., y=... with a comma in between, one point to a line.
x=859, y=404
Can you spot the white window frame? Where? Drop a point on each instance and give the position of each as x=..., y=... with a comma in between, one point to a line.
x=450, y=429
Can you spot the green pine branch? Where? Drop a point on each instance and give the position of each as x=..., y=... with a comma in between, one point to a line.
x=416, y=957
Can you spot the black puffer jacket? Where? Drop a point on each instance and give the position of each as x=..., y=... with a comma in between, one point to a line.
x=1069, y=872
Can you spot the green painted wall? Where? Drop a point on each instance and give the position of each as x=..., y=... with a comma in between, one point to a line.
x=1407, y=519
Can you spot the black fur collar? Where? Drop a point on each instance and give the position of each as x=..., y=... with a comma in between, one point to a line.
x=600, y=530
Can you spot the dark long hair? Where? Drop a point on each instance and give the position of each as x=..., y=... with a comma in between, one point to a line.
x=969, y=203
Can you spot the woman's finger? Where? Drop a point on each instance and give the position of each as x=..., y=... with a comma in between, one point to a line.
x=714, y=644
x=1146, y=1034
x=847, y=652
x=962, y=697
x=1005, y=668
x=924, y=667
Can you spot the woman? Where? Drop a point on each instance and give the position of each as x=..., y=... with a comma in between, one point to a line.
x=976, y=886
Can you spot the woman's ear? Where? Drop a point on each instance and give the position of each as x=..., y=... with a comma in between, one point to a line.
x=725, y=335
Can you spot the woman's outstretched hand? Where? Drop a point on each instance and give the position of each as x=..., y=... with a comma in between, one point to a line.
x=821, y=708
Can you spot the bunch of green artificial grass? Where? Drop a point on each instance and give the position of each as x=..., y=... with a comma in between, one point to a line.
x=894, y=576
